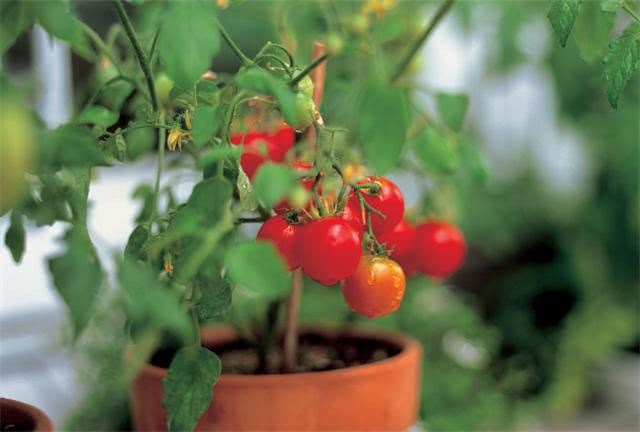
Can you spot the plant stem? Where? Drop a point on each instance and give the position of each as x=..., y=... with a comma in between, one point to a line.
x=246, y=61
x=142, y=59
x=258, y=219
x=162, y=132
x=440, y=13
x=308, y=70
x=630, y=12
x=290, y=346
x=95, y=38
x=145, y=346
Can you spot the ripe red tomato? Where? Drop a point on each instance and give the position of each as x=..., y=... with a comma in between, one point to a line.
x=283, y=235
x=401, y=241
x=388, y=202
x=440, y=249
x=329, y=249
x=282, y=140
x=255, y=143
x=307, y=183
x=376, y=288
x=352, y=219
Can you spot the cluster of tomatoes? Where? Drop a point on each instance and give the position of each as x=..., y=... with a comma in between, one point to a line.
x=329, y=248
x=259, y=147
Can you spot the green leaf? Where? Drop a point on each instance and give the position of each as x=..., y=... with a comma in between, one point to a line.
x=137, y=239
x=14, y=238
x=96, y=115
x=189, y=39
x=383, y=125
x=205, y=123
x=273, y=182
x=58, y=19
x=592, y=30
x=207, y=92
x=262, y=82
x=218, y=153
x=188, y=386
x=452, y=108
x=258, y=267
x=150, y=302
x=248, y=200
x=437, y=151
x=213, y=290
x=14, y=19
x=621, y=61
x=72, y=146
x=144, y=193
x=77, y=276
x=611, y=5
x=562, y=15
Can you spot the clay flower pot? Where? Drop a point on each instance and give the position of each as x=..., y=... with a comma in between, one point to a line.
x=382, y=395
x=20, y=416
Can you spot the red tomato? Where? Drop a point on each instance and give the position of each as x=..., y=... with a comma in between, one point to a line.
x=440, y=249
x=352, y=219
x=282, y=141
x=388, y=202
x=329, y=250
x=307, y=183
x=376, y=288
x=400, y=241
x=276, y=144
x=283, y=235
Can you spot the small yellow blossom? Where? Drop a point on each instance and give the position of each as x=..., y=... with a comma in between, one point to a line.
x=168, y=267
x=174, y=140
x=187, y=119
x=378, y=7
x=222, y=4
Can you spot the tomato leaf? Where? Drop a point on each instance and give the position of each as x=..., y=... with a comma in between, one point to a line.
x=592, y=30
x=452, y=108
x=262, y=82
x=71, y=146
x=383, y=125
x=14, y=19
x=136, y=241
x=437, y=151
x=188, y=40
x=562, y=15
x=14, y=238
x=621, y=61
x=273, y=182
x=77, y=276
x=258, y=267
x=611, y=5
x=96, y=115
x=188, y=386
x=205, y=122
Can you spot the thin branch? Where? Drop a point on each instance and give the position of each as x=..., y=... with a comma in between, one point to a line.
x=306, y=71
x=246, y=61
x=630, y=12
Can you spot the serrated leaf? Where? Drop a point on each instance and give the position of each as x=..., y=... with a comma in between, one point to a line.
x=14, y=19
x=262, y=82
x=188, y=386
x=258, y=267
x=591, y=31
x=189, y=39
x=562, y=16
x=96, y=115
x=383, y=125
x=437, y=151
x=14, y=238
x=150, y=302
x=611, y=5
x=205, y=123
x=273, y=182
x=621, y=61
x=71, y=146
x=77, y=276
x=452, y=108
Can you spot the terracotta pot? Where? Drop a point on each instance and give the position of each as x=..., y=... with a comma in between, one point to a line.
x=378, y=396
x=23, y=417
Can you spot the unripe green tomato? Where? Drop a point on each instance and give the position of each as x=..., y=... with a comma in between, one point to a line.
x=358, y=24
x=16, y=151
x=335, y=44
x=163, y=85
x=305, y=111
x=105, y=71
x=306, y=84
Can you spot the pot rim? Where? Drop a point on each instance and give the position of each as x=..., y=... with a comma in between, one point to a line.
x=410, y=349
x=41, y=420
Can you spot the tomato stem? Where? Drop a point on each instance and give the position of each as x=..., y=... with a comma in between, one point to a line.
x=306, y=71
x=246, y=61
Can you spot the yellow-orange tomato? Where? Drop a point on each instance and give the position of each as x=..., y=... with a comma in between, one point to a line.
x=376, y=288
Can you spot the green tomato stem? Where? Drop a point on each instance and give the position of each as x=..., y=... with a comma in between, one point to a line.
x=246, y=61
x=306, y=71
x=630, y=11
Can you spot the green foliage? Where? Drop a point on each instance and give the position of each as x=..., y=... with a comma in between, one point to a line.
x=188, y=40
x=259, y=268
x=188, y=386
x=562, y=15
x=14, y=19
x=205, y=123
x=437, y=151
x=96, y=115
x=382, y=125
x=14, y=238
x=621, y=61
x=592, y=29
x=70, y=146
x=452, y=108
x=77, y=276
x=273, y=182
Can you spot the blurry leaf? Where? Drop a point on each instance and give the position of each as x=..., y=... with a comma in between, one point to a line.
x=611, y=5
x=621, y=61
x=437, y=151
x=144, y=193
x=592, y=30
x=262, y=82
x=52, y=203
x=136, y=241
x=207, y=92
x=205, y=123
x=452, y=108
x=14, y=19
x=258, y=267
x=472, y=161
x=218, y=153
x=70, y=145
x=189, y=39
x=97, y=115
x=121, y=147
x=139, y=141
x=273, y=182
x=248, y=200
x=14, y=238
x=188, y=386
x=77, y=276
x=383, y=124
x=213, y=290
x=150, y=302
x=562, y=15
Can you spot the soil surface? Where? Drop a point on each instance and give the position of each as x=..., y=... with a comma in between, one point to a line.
x=315, y=353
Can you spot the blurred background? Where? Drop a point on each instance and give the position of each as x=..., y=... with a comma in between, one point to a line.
x=538, y=331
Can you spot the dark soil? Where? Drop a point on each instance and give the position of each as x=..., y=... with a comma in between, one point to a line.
x=315, y=353
x=16, y=426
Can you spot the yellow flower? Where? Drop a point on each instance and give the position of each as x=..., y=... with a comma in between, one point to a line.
x=187, y=119
x=222, y=4
x=378, y=7
x=174, y=140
